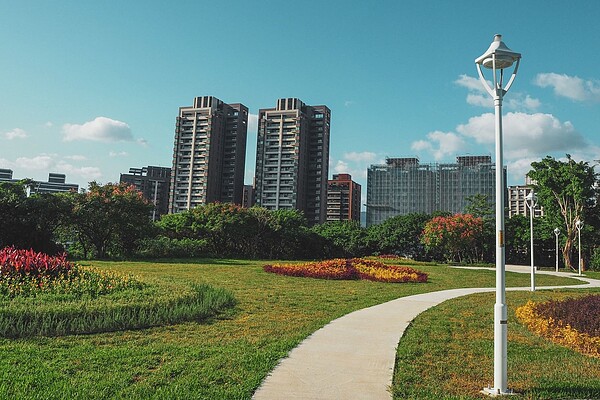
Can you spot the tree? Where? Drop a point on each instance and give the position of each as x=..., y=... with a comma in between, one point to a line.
x=480, y=206
x=347, y=238
x=110, y=218
x=400, y=235
x=566, y=191
x=455, y=235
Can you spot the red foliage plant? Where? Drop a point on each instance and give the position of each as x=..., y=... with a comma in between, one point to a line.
x=28, y=262
x=582, y=314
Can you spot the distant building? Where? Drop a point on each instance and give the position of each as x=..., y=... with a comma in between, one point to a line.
x=209, y=154
x=153, y=183
x=517, y=203
x=292, y=158
x=56, y=183
x=404, y=185
x=343, y=198
x=248, y=196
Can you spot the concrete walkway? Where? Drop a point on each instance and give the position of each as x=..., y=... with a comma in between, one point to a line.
x=353, y=356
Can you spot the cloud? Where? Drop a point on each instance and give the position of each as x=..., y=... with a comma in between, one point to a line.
x=525, y=135
x=113, y=154
x=440, y=144
x=479, y=97
x=41, y=162
x=16, y=133
x=571, y=87
x=348, y=103
x=360, y=156
x=471, y=83
x=101, y=129
x=76, y=157
x=49, y=124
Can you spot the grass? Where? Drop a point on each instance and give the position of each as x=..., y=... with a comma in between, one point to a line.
x=225, y=357
x=447, y=353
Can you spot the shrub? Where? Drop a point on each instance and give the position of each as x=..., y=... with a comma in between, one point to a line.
x=594, y=263
x=356, y=268
x=164, y=247
x=540, y=319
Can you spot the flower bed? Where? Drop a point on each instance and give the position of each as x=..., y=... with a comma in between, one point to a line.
x=355, y=268
x=26, y=273
x=567, y=323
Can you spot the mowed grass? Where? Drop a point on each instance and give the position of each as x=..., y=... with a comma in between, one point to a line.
x=223, y=358
x=447, y=353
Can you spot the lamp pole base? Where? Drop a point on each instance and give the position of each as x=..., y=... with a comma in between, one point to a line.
x=491, y=392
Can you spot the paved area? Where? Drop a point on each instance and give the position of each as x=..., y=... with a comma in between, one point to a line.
x=353, y=356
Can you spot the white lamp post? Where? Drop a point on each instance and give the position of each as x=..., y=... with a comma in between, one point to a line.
x=497, y=57
x=556, y=232
x=579, y=225
x=531, y=200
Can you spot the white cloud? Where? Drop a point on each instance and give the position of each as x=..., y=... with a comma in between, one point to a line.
x=16, y=133
x=89, y=173
x=525, y=135
x=341, y=167
x=479, y=97
x=41, y=162
x=360, y=156
x=348, y=103
x=480, y=100
x=76, y=157
x=571, y=87
x=49, y=124
x=113, y=154
x=471, y=83
x=101, y=129
x=440, y=144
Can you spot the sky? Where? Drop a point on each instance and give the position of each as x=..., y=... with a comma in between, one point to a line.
x=92, y=88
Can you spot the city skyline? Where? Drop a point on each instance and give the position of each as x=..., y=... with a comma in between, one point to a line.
x=90, y=90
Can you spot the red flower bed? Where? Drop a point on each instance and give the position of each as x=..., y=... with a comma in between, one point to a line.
x=355, y=268
x=28, y=262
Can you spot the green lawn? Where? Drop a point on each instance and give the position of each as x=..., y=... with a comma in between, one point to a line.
x=222, y=358
x=447, y=353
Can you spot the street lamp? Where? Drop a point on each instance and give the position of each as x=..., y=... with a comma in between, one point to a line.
x=531, y=200
x=579, y=225
x=556, y=232
x=497, y=57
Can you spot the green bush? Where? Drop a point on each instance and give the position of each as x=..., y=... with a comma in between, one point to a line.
x=594, y=264
x=164, y=247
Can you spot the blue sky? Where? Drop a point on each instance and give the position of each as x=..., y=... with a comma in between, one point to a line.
x=91, y=89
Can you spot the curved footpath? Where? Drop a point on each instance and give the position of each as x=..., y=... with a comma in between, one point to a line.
x=353, y=356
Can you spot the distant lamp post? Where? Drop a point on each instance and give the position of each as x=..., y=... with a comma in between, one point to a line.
x=497, y=57
x=556, y=232
x=531, y=200
x=579, y=225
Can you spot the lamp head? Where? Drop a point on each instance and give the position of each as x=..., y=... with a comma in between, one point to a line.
x=579, y=224
x=556, y=231
x=531, y=198
x=504, y=56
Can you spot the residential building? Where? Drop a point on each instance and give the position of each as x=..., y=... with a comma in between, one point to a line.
x=248, y=196
x=292, y=158
x=404, y=185
x=153, y=182
x=343, y=198
x=517, y=203
x=56, y=183
x=209, y=154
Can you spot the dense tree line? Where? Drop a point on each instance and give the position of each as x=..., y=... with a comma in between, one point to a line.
x=112, y=221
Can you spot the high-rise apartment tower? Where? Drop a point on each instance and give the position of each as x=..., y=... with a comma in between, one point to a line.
x=209, y=154
x=343, y=199
x=292, y=158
